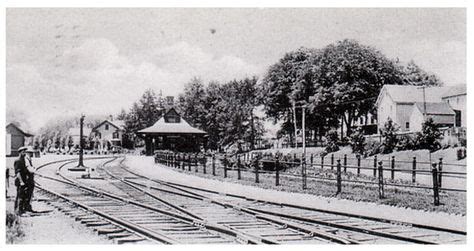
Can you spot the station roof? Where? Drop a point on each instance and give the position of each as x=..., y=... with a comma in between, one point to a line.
x=165, y=126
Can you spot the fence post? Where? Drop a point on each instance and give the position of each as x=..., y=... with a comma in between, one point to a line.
x=225, y=165
x=213, y=163
x=392, y=174
x=375, y=166
x=204, y=162
x=189, y=162
x=196, y=162
x=381, y=191
x=345, y=163
x=440, y=172
x=277, y=174
x=358, y=164
x=332, y=161
x=238, y=167
x=311, y=160
x=257, y=166
x=413, y=173
x=303, y=170
x=322, y=161
x=338, y=177
x=434, y=171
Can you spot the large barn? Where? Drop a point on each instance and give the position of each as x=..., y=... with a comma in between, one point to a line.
x=171, y=132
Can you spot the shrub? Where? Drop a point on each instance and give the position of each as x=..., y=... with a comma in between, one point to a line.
x=332, y=141
x=373, y=148
x=357, y=141
x=405, y=142
x=429, y=136
x=389, y=134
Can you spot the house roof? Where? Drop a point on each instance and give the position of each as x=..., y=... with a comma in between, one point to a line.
x=18, y=128
x=412, y=93
x=119, y=124
x=161, y=126
x=455, y=91
x=76, y=131
x=438, y=108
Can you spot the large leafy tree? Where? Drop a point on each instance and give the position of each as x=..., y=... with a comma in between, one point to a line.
x=414, y=75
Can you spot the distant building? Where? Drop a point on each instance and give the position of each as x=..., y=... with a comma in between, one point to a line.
x=406, y=106
x=15, y=138
x=171, y=132
x=456, y=98
x=109, y=133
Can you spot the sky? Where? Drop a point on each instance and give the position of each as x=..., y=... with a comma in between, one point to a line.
x=97, y=61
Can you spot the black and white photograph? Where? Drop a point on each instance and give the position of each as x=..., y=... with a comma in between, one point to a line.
x=235, y=126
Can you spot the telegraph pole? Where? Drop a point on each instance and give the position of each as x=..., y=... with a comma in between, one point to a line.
x=294, y=122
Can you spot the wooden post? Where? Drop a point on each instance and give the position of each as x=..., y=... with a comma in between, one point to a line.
x=225, y=165
x=381, y=190
x=440, y=172
x=338, y=177
x=196, y=163
x=358, y=164
x=213, y=163
x=303, y=171
x=258, y=163
x=375, y=166
x=238, y=167
x=277, y=172
x=311, y=160
x=322, y=161
x=434, y=171
x=189, y=162
x=204, y=162
x=332, y=161
x=345, y=163
x=413, y=173
x=392, y=174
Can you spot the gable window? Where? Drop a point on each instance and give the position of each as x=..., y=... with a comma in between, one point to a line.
x=106, y=127
x=407, y=125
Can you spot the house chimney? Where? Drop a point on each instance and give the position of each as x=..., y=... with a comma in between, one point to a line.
x=111, y=117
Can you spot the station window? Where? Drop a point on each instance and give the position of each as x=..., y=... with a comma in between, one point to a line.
x=407, y=125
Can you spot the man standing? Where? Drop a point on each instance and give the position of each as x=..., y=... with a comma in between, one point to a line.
x=30, y=182
x=21, y=176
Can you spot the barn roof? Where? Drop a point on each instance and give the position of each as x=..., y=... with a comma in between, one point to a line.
x=412, y=93
x=455, y=91
x=438, y=108
x=18, y=128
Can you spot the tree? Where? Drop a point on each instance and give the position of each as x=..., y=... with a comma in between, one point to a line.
x=414, y=75
x=332, y=141
x=429, y=136
x=350, y=76
x=389, y=134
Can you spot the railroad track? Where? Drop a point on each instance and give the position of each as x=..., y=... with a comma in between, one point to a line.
x=131, y=208
x=343, y=227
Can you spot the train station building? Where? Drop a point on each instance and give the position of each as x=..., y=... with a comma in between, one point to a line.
x=172, y=132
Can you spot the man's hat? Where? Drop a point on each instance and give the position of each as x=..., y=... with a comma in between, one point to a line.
x=23, y=148
x=29, y=149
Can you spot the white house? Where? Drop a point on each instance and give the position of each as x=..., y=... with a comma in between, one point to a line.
x=109, y=133
x=404, y=104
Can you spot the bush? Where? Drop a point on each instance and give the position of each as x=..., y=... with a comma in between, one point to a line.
x=373, y=148
x=429, y=136
x=332, y=143
x=357, y=142
x=389, y=134
x=405, y=142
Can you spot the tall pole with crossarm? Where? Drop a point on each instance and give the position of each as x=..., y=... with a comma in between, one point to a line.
x=81, y=143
